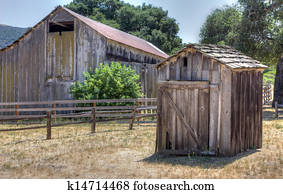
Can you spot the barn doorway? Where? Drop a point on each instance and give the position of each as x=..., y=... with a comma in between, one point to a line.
x=60, y=51
x=184, y=116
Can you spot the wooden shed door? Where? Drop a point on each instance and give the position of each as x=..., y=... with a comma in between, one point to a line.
x=183, y=116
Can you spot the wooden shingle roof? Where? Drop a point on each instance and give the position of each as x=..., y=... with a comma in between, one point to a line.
x=224, y=54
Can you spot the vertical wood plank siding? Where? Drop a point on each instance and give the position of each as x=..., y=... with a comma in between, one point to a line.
x=21, y=69
x=246, y=111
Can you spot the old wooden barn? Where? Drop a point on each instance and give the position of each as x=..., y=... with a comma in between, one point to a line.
x=209, y=102
x=45, y=61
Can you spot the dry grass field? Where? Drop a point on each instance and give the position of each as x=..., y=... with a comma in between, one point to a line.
x=116, y=152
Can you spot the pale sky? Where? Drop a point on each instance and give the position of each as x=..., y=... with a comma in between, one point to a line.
x=190, y=14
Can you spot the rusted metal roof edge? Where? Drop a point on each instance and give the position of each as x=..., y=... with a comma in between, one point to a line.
x=74, y=14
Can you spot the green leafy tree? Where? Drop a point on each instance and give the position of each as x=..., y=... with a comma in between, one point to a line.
x=255, y=28
x=221, y=26
x=147, y=22
x=113, y=81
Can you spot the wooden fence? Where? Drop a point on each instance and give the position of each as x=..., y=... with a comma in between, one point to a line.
x=277, y=109
x=92, y=111
x=267, y=94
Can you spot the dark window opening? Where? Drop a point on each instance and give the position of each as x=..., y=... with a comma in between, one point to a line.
x=185, y=62
x=61, y=27
x=168, y=142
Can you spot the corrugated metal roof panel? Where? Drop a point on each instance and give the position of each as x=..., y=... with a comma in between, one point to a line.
x=120, y=36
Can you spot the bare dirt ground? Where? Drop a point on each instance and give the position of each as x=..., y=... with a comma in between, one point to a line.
x=116, y=152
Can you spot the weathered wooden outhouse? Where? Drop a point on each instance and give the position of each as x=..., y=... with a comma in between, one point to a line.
x=209, y=102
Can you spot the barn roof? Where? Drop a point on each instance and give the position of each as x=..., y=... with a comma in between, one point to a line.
x=119, y=36
x=108, y=32
x=224, y=54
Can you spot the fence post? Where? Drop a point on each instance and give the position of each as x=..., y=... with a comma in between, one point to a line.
x=48, y=136
x=133, y=118
x=17, y=113
x=54, y=112
x=93, y=123
x=276, y=109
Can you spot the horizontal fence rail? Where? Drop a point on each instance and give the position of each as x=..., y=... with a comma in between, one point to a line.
x=277, y=109
x=92, y=111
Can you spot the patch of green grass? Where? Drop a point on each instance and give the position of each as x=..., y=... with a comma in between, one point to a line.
x=277, y=126
x=269, y=75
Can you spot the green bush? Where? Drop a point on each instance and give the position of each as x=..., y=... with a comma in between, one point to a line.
x=113, y=81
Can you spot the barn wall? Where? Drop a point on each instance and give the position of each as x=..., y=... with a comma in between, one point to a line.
x=90, y=48
x=22, y=67
x=119, y=52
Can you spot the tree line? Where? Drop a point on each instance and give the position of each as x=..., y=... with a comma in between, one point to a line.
x=252, y=26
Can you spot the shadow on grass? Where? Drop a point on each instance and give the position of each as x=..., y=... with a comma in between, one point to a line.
x=206, y=162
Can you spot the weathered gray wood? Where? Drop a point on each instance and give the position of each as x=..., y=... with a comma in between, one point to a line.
x=172, y=103
x=185, y=110
x=213, y=116
x=205, y=73
x=145, y=115
x=260, y=76
x=203, y=119
x=159, y=127
x=178, y=70
x=215, y=73
x=225, y=131
x=167, y=73
x=21, y=117
x=184, y=84
x=242, y=111
x=166, y=123
x=179, y=129
x=172, y=71
x=78, y=101
x=190, y=65
x=196, y=66
x=195, y=116
x=234, y=113
x=22, y=129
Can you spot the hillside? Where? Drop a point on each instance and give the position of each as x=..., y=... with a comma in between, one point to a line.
x=9, y=34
